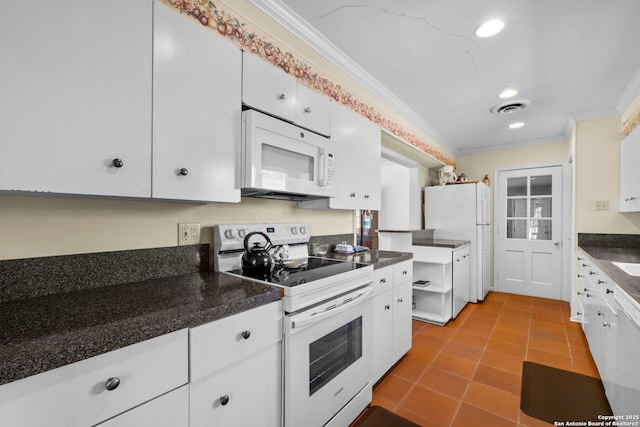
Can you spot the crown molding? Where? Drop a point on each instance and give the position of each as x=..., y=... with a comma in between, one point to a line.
x=629, y=93
x=289, y=19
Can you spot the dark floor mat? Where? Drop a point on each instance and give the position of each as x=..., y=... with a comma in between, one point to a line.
x=377, y=416
x=551, y=394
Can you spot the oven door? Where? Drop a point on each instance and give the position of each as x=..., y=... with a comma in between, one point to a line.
x=281, y=157
x=327, y=357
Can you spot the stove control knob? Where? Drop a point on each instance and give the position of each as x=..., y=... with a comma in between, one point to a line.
x=294, y=231
x=228, y=233
x=242, y=232
x=303, y=230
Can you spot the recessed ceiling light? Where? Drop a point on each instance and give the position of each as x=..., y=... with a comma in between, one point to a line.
x=507, y=93
x=516, y=125
x=489, y=28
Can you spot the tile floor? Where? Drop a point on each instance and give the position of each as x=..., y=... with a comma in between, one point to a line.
x=468, y=373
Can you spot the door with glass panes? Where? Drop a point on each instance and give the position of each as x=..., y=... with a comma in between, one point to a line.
x=528, y=257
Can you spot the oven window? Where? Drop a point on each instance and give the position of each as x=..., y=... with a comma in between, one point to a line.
x=334, y=353
x=295, y=165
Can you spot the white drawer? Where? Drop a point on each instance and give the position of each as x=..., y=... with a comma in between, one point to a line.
x=218, y=344
x=168, y=410
x=382, y=280
x=247, y=393
x=402, y=272
x=76, y=394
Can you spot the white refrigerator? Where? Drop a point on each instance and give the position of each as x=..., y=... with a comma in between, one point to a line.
x=462, y=212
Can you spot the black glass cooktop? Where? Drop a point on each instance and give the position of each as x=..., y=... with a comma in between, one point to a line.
x=297, y=273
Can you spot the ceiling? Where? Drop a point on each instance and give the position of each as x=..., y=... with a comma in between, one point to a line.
x=570, y=59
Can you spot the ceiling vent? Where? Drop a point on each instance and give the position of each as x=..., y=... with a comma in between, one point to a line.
x=510, y=107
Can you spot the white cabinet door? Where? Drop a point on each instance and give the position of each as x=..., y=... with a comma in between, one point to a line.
x=627, y=370
x=358, y=143
x=75, y=109
x=630, y=172
x=383, y=318
x=168, y=410
x=313, y=110
x=267, y=88
x=461, y=279
x=402, y=295
x=196, y=111
x=247, y=393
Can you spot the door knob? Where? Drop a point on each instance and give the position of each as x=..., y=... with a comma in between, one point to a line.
x=557, y=243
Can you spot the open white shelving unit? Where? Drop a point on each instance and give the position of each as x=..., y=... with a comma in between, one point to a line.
x=432, y=303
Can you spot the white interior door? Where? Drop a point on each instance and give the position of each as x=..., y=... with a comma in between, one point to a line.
x=528, y=221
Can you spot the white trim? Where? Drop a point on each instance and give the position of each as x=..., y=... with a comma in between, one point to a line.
x=566, y=286
x=630, y=92
x=297, y=25
x=509, y=146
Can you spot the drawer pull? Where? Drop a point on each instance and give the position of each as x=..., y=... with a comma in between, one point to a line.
x=307, y=110
x=591, y=273
x=609, y=291
x=383, y=280
x=117, y=163
x=112, y=383
x=387, y=307
x=245, y=335
x=404, y=272
x=224, y=400
x=400, y=300
x=282, y=97
x=183, y=171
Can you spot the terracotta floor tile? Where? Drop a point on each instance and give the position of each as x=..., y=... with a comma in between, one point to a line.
x=440, y=332
x=502, y=362
x=423, y=340
x=502, y=380
x=462, y=350
x=491, y=399
x=509, y=337
x=468, y=338
x=514, y=350
x=549, y=359
x=411, y=368
x=548, y=335
x=456, y=365
x=392, y=389
x=550, y=346
x=444, y=382
x=469, y=416
x=416, y=418
x=549, y=326
x=430, y=404
x=516, y=328
x=483, y=331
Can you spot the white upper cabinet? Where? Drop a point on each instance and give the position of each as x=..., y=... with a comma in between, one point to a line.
x=196, y=111
x=357, y=141
x=269, y=89
x=75, y=103
x=630, y=172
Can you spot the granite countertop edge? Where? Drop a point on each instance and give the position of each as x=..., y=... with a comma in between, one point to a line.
x=378, y=258
x=604, y=257
x=441, y=243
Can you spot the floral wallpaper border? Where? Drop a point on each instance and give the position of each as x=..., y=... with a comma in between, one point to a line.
x=208, y=14
x=631, y=124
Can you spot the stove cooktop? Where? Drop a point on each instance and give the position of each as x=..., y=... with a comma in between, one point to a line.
x=314, y=269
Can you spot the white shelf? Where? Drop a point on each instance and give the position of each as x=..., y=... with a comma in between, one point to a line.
x=433, y=289
x=426, y=316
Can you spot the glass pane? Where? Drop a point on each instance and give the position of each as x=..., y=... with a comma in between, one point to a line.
x=541, y=185
x=540, y=229
x=517, y=186
x=516, y=229
x=334, y=353
x=296, y=165
x=516, y=207
x=540, y=207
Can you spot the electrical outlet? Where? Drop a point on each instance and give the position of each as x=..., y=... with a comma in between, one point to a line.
x=188, y=234
x=601, y=205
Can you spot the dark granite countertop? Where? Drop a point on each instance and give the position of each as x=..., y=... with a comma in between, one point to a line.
x=378, y=258
x=47, y=331
x=441, y=243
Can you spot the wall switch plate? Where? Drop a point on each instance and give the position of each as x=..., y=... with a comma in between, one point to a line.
x=188, y=233
x=601, y=205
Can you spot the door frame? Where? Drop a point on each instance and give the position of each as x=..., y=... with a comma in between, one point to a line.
x=566, y=241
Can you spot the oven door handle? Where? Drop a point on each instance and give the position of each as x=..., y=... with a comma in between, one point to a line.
x=332, y=311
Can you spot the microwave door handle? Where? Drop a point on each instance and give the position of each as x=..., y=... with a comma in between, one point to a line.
x=322, y=167
x=317, y=318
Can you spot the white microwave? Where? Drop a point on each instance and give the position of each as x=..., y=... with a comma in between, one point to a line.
x=283, y=161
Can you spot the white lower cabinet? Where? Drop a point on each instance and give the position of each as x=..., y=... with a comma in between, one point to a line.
x=247, y=393
x=236, y=370
x=391, y=316
x=88, y=392
x=627, y=369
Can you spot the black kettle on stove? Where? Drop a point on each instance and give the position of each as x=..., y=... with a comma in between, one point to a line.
x=256, y=260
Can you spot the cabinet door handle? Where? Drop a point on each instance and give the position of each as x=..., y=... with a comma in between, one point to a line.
x=383, y=280
x=224, y=400
x=112, y=383
x=400, y=300
x=307, y=110
x=282, y=97
x=183, y=171
x=352, y=194
x=117, y=163
x=404, y=272
x=591, y=273
x=246, y=334
x=387, y=307
x=605, y=324
x=609, y=291
x=366, y=196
